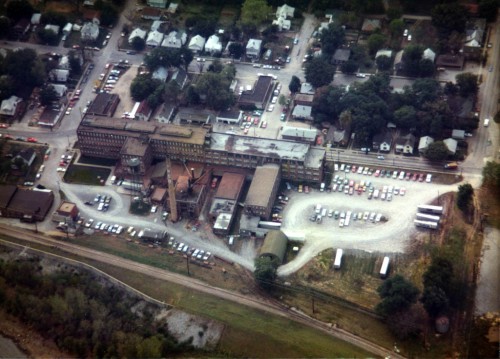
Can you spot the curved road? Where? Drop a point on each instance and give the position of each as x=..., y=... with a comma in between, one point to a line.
x=252, y=301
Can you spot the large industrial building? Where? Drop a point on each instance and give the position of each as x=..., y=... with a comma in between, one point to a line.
x=225, y=202
x=26, y=204
x=107, y=137
x=263, y=190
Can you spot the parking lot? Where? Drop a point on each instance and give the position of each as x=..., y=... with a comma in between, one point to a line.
x=392, y=233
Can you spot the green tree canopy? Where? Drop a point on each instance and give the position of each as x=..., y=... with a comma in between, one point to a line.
x=254, y=12
x=376, y=42
x=215, y=87
x=434, y=300
x=143, y=86
x=294, y=85
x=265, y=272
x=491, y=174
x=47, y=37
x=437, y=151
x=411, y=59
x=25, y=68
x=74, y=62
x=449, y=17
x=319, y=72
x=488, y=9
x=5, y=25
x=396, y=28
x=464, y=196
x=439, y=274
x=383, y=63
x=331, y=39
x=236, y=50
x=48, y=95
x=349, y=67
x=406, y=117
x=397, y=294
x=467, y=84
x=138, y=43
x=18, y=9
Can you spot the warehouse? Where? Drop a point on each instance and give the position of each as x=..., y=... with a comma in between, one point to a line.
x=274, y=246
x=263, y=189
x=25, y=204
x=225, y=202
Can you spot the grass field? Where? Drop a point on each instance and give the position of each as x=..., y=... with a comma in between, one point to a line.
x=86, y=175
x=248, y=332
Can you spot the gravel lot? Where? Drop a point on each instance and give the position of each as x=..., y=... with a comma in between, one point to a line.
x=390, y=236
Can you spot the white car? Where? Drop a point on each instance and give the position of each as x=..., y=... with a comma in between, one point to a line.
x=361, y=75
x=270, y=108
x=274, y=100
x=154, y=208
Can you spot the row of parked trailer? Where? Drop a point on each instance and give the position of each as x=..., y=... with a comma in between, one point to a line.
x=384, y=268
x=428, y=216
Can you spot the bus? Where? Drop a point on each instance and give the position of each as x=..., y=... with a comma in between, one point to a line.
x=384, y=269
x=428, y=217
x=426, y=208
x=338, y=259
x=426, y=224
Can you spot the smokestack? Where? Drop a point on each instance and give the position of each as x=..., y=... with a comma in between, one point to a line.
x=192, y=173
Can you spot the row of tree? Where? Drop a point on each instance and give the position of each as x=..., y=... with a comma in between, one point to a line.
x=83, y=317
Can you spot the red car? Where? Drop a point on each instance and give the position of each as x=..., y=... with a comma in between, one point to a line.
x=354, y=169
x=3, y=125
x=421, y=177
x=32, y=139
x=306, y=189
x=415, y=176
x=408, y=176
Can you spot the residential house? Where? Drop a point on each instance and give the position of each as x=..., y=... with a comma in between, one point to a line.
x=306, y=88
x=282, y=14
x=90, y=31
x=150, y=13
x=59, y=75
x=338, y=136
x=197, y=43
x=302, y=112
x=451, y=144
x=451, y=61
x=398, y=61
x=27, y=155
x=35, y=18
x=156, y=25
x=174, y=40
x=63, y=63
x=424, y=143
x=383, y=52
x=405, y=144
x=54, y=28
x=253, y=48
x=230, y=116
x=157, y=3
x=382, y=142
x=458, y=134
x=370, y=25
x=167, y=112
x=180, y=77
x=213, y=45
x=429, y=54
x=154, y=38
x=161, y=73
x=341, y=56
x=299, y=134
x=9, y=106
x=60, y=89
x=144, y=112
x=138, y=32
x=474, y=34
x=67, y=28
x=303, y=99
x=172, y=8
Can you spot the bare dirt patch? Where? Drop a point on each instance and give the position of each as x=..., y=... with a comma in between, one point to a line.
x=122, y=89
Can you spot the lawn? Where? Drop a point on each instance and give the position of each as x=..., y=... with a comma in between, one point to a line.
x=248, y=332
x=86, y=175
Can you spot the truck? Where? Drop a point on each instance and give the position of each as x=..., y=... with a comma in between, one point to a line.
x=486, y=122
x=338, y=259
x=451, y=166
x=384, y=269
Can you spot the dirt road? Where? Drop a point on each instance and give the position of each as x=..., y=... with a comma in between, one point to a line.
x=259, y=303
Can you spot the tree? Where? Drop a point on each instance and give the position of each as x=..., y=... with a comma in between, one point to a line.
x=383, y=63
x=407, y=323
x=265, y=272
x=18, y=9
x=109, y=14
x=491, y=174
x=345, y=119
x=488, y=9
x=254, y=12
x=215, y=66
x=449, y=17
x=426, y=68
x=171, y=92
x=282, y=100
x=294, y=85
x=397, y=294
x=215, y=87
x=406, y=117
x=5, y=25
x=349, y=67
x=74, y=62
x=467, y=84
x=393, y=13
x=138, y=43
x=6, y=87
x=236, y=50
x=396, y=28
x=192, y=96
x=48, y=95
x=411, y=60
x=437, y=151
x=331, y=39
x=450, y=89
x=464, y=196
x=434, y=300
x=143, y=86
x=47, y=36
x=54, y=18
x=25, y=68
x=186, y=56
x=319, y=72
x=376, y=42
x=439, y=274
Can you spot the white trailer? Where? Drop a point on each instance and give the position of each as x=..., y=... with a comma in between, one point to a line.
x=426, y=224
x=384, y=269
x=428, y=217
x=426, y=208
x=338, y=259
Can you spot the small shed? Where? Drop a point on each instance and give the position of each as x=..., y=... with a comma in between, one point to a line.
x=274, y=245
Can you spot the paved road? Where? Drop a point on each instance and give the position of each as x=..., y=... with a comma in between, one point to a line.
x=253, y=301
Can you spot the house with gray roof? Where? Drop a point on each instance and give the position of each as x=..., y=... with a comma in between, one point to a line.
x=405, y=144
x=299, y=134
x=302, y=112
x=341, y=56
x=424, y=143
x=382, y=142
x=451, y=144
x=197, y=43
x=253, y=48
x=174, y=40
x=90, y=31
